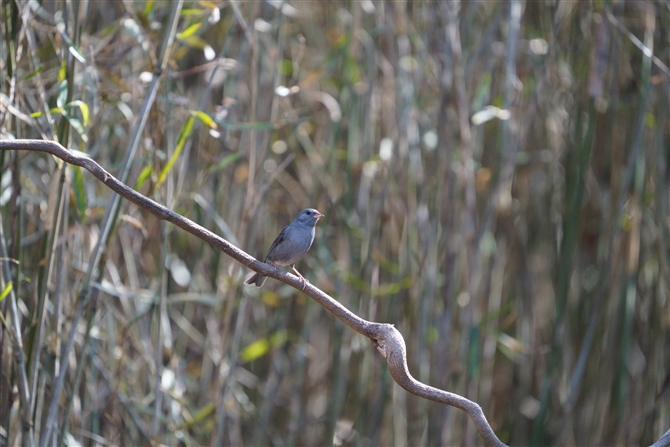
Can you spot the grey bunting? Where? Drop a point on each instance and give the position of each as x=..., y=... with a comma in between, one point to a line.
x=291, y=244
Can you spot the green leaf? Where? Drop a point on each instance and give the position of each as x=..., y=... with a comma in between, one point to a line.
x=351, y=70
x=32, y=74
x=144, y=175
x=6, y=290
x=286, y=67
x=181, y=141
x=206, y=120
x=62, y=72
x=392, y=288
x=194, y=42
x=79, y=192
x=225, y=162
x=248, y=126
x=77, y=54
x=201, y=415
x=482, y=92
x=62, y=94
x=262, y=346
x=650, y=120
x=255, y=350
x=189, y=31
x=76, y=125
x=190, y=12
x=74, y=51
x=83, y=107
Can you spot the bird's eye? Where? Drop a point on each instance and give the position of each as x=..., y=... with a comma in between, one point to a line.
x=309, y=213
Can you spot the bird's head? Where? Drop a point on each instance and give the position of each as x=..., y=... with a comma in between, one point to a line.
x=309, y=216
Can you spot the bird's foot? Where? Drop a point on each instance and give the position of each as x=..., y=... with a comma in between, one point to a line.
x=302, y=278
x=304, y=282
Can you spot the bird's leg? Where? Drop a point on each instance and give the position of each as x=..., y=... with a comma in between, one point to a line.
x=302, y=278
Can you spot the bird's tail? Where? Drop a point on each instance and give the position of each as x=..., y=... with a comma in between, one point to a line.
x=257, y=280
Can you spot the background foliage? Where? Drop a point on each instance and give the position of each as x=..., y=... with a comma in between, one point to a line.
x=495, y=182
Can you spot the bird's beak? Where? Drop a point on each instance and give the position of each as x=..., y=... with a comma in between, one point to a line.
x=318, y=215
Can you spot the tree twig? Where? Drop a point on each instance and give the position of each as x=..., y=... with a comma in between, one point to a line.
x=385, y=337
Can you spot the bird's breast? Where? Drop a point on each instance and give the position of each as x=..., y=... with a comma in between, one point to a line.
x=295, y=244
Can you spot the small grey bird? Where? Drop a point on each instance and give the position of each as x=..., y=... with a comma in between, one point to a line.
x=291, y=244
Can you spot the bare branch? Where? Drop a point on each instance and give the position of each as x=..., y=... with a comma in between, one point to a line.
x=663, y=441
x=385, y=337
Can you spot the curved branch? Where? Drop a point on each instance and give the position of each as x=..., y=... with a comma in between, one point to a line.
x=385, y=337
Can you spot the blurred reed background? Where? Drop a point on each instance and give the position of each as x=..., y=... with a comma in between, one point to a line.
x=495, y=183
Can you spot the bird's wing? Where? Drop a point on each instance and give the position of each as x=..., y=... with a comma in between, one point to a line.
x=277, y=241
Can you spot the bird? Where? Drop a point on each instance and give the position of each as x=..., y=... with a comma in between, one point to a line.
x=291, y=244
